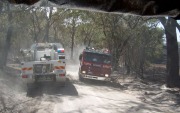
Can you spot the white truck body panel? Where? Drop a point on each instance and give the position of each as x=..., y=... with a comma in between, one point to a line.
x=58, y=69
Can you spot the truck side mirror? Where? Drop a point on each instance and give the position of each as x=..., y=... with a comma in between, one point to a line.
x=80, y=57
x=22, y=52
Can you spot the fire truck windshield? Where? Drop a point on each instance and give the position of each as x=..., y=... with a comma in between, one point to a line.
x=97, y=58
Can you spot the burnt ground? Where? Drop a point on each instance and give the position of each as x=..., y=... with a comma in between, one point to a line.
x=129, y=95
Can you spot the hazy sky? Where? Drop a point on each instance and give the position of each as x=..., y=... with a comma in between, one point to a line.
x=178, y=33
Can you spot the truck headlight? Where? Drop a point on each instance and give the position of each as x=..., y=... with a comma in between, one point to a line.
x=106, y=75
x=83, y=72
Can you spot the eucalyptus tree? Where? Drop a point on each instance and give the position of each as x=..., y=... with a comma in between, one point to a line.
x=173, y=79
x=8, y=37
x=73, y=18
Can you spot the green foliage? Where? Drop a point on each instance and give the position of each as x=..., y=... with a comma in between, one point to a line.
x=133, y=41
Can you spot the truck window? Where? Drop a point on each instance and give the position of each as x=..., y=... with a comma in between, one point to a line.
x=97, y=58
x=40, y=48
x=106, y=59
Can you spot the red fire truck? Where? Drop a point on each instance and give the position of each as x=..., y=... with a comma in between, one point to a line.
x=95, y=64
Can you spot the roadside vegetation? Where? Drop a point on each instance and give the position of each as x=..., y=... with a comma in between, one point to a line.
x=137, y=44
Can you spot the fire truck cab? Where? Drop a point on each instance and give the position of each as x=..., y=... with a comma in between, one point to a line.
x=95, y=64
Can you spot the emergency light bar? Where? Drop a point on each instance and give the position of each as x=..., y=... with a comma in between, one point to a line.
x=60, y=50
x=102, y=50
x=90, y=48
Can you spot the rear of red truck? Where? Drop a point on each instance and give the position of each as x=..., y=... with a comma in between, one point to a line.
x=95, y=65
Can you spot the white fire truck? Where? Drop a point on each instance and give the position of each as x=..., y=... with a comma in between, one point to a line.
x=43, y=62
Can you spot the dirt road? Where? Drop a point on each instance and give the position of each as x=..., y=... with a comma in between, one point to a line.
x=78, y=97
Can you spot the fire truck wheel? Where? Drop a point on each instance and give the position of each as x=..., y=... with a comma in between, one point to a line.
x=63, y=84
x=81, y=78
x=29, y=90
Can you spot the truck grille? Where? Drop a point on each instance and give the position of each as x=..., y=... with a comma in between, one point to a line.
x=96, y=71
x=42, y=68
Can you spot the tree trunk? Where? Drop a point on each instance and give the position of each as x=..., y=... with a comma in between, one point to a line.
x=34, y=28
x=7, y=43
x=46, y=37
x=48, y=18
x=72, y=37
x=173, y=79
x=1, y=7
x=116, y=57
x=128, y=69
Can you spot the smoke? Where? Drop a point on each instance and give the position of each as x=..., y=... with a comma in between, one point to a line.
x=76, y=52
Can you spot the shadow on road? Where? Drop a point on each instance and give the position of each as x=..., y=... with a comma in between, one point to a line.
x=52, y=89
x=88, y=82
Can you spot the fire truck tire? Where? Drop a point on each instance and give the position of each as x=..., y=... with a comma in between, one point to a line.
x=29, y=90
x=63, y=84
x=81, y=78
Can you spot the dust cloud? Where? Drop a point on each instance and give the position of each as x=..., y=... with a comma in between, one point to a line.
x=85, y=97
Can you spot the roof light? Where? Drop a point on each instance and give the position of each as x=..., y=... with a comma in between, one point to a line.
x=106, y=51
x=89, y=48
x=60, y=50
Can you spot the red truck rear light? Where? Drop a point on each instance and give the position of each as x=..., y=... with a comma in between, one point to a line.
x=61, y=75
x=24, y=76
x=59, y=67
x=27, y=68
